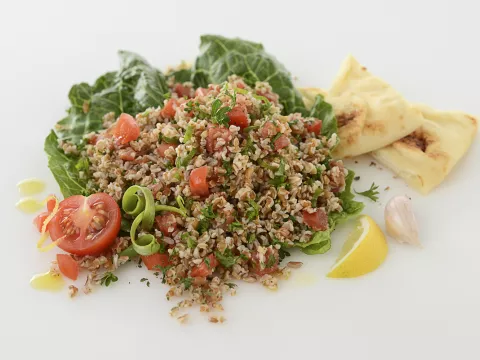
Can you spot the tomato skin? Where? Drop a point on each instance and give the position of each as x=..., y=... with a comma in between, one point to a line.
x=164, y=147
x=204, y=270
x=198, y=181
x=126, y=129
x=201, y=92
x=257, y=269
x=317, y=220
x=282, y=142
x=39, y=220
x=165, y=222
x=67, y=266
x=314, y=126
x=74, y=225
x=51, y=204
x=238, y=117
x=182, y=91
x=268, y=130
x=152, y=262
x=214, y=133
x=169, y=110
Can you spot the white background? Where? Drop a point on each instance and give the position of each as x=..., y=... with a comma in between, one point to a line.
x=421, y=304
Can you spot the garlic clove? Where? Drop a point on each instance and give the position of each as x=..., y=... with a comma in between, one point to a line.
x=400, y=221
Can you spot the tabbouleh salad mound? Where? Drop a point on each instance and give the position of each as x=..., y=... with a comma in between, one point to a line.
x=214, y=185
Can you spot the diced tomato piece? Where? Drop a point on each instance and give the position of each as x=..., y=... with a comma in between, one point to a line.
x=240, y=84
x=314, y=126
x=238, y=117
x=93, y=139
x=281, y=142
x=201, y=92
x=269, y=263
x=268, y=130
x=164, y=147
x=205, y=268
x=169, y=109
x=51, y=204
x=126, y=129
x=127, y=154
x=155, y=261
x=166, y=223
x=67, y=266
x=317, y=220
x=40, y=219
x=215, y=133
x=182, y=90
x=198, y=181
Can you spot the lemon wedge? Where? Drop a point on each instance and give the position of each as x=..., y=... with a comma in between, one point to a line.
x=364, y=251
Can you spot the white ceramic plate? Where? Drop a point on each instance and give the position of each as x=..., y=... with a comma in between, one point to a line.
x=422, y=303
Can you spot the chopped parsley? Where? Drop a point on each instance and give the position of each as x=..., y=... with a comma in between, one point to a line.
x=228, y=167
x=235, y=226
x=191, y=243
x=208, y=213
x=164, y=270
x=249, y=147
x=271, y=261
x=188, y=134
x=231, y=285
x=182, y=162
x=227, y=259
x=108, y=278
x=207, y=262
x=370, y=193
x=219, y=113
x=280, y=177
x=251, y=238
x=315, y=196
x=253, y=210
x=187, y=283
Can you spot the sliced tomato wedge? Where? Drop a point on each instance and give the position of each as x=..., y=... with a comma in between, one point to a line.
x=238, y=117
x=214, y=133
x=67, y=266
x=314, y=126
x=205, y=268
x=317, y=220
x=268, y=130
x=164, y=147
x=86, y=225
x=40, y=219
x=268, y=265
x=166, y=223
x=281, y=142
x=126, y=129
x=169, y=110
x=155, y=261
x=198, y=181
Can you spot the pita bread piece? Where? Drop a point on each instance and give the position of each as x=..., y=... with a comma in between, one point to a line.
x=370, y=113
x=425, y=157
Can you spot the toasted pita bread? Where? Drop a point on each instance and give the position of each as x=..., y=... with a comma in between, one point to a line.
x=425, y=157
x=309, y=94
x=370, y=113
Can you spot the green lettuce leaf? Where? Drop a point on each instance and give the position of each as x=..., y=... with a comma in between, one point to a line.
x=351, y=208
x=321, y=240
x=324, y=111
x=221, y=57
x=181, y=76
x=132, y=89
x=64, y=168
x=135, y=87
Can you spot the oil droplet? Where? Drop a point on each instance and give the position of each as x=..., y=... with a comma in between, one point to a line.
x=29, y=205
x=304, y=279
x=32, y=186
x=48, y=282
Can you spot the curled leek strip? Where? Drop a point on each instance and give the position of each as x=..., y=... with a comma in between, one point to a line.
x=146, y=244
x=143, y=207
x=135, y=204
